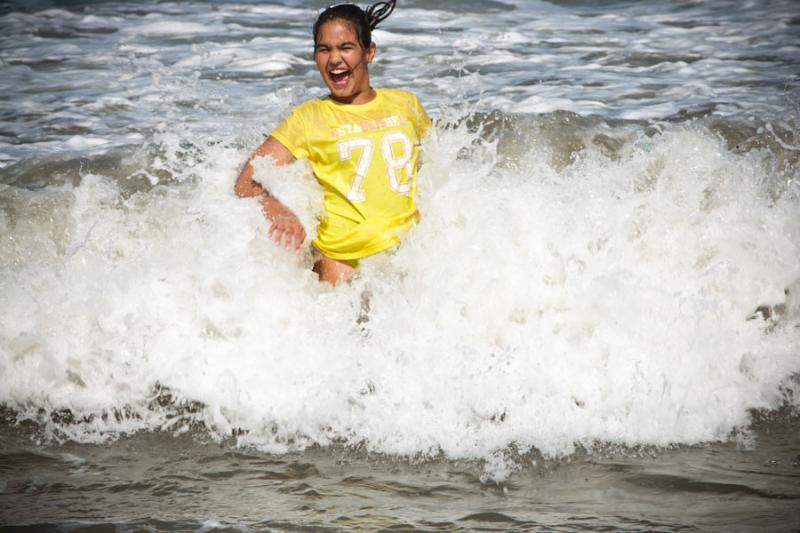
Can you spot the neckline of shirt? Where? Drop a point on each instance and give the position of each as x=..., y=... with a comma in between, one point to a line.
x=366, y=105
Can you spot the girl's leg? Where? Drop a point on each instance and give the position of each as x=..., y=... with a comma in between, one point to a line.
x=331, y=270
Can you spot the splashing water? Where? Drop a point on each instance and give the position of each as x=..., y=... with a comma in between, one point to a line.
x=538, y=304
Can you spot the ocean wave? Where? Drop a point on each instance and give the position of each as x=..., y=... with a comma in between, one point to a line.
x=573, y=281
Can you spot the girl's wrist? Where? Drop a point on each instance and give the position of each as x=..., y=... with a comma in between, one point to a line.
x=275, y=210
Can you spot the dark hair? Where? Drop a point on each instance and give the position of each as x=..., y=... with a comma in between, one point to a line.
x=363, y=21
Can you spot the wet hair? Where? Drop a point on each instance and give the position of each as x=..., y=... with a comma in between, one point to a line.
x=364, y=21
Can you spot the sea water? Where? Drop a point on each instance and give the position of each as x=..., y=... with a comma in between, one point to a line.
x=569, y=340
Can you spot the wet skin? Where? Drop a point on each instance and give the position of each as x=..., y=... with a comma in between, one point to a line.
x=343, y=62
x=343, y=65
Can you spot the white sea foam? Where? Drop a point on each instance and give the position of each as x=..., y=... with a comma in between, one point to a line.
x=169, y=28
x=605, y=301
x=81, y=142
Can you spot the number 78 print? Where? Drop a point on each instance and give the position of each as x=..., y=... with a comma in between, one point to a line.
x=393, y=162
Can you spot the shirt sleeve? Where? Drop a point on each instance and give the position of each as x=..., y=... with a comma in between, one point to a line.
x=422, y=122
x=292, y=134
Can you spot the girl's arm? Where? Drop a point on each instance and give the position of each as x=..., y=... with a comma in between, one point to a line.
x=285, y=227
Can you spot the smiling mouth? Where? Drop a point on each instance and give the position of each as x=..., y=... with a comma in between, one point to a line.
x=340, y=78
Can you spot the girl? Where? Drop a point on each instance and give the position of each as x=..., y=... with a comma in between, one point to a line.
x=362, y=143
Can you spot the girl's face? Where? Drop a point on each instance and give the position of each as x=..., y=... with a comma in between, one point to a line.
x=342, y=62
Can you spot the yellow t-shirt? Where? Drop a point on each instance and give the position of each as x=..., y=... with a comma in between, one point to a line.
x=365, y=156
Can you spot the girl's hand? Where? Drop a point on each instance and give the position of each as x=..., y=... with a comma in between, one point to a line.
x=285, y=228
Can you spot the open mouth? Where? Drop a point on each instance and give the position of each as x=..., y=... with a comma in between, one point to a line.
x=340, y=77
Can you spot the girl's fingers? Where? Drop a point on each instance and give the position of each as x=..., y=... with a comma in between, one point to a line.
x=287, y=233
x=298, y=237
x=277, y=233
